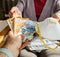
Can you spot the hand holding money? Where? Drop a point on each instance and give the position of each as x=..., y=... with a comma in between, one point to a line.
x=15, y=12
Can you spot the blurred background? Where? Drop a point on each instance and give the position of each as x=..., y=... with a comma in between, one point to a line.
x=5, y=6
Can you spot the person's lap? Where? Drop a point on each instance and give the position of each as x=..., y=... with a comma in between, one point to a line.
x=26, y=53
x=44, y=53
x=49, y=53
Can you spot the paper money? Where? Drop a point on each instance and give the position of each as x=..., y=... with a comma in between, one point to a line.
x=36, y=44
x=10, y=22
x=28, y=28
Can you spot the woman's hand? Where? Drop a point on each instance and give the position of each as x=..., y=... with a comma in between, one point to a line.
x=15, y=12
x=13, y=43
x=14, y=40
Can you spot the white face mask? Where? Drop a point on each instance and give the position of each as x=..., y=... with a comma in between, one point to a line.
x=50, y=29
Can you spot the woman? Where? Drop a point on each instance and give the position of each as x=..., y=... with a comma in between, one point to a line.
x=36, y=10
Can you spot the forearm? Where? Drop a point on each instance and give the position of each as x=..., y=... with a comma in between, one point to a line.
x=20, y=5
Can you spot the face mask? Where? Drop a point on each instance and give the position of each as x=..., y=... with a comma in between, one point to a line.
x=50, y=29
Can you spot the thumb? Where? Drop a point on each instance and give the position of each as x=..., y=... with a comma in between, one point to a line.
x=10, y=34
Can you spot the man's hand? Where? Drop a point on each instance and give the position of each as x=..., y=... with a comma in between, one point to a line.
x=57, y=16
x=15, y=12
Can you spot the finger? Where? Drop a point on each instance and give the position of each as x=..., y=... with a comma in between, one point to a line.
x=13, y=9
x=10, y=34
x=10, y=14
x=22, y=36
x=59, y=21
x=23, y=45
x=14, y=14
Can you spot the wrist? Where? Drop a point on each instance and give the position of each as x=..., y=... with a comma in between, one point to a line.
x=5, y=52
x=13, y=49
x=13, y=46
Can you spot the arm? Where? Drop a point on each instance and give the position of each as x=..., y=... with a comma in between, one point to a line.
x=13, y=44
x=20, y=5
x=18, y=9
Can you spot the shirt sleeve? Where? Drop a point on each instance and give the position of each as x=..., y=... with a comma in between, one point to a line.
x=21, y=5
x=58, y=5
